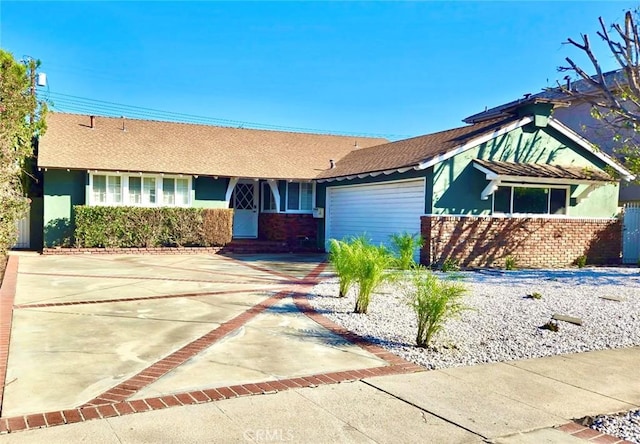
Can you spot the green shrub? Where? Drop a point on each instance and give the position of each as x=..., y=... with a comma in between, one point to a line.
x=341, y=257
x=217, y=226
x=434, y=301
x=510, y=263
x=581, y=261
x=404, y=246
x=449, y=265
x=127, y=227
x=372, y=268
x=356, y=260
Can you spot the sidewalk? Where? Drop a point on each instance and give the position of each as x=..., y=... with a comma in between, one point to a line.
x=515, y=402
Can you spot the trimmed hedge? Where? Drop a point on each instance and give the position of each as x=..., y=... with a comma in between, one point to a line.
x=127, y=227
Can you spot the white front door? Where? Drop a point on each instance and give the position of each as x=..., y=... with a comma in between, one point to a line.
x=245, y=209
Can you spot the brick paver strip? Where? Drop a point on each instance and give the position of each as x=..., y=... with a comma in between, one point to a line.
x=289, y=279
x=7, y=296
x=71, y=416
x=112, y=402
x=145, y=298
x=36, y=421
x=583, y=432
x=158, y=369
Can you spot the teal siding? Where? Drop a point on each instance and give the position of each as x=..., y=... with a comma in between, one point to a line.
x=457, y=184
x=61, y=191
x=209, y=192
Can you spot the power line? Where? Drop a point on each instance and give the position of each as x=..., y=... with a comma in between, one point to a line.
x=83, y=105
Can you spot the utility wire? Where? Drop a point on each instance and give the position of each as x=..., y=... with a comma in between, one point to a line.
x=83, y=105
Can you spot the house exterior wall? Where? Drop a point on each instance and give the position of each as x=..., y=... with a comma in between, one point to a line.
x=533, y=242
x=208, y=192
x=297, y=231
x=61, y=191
x=457, y=184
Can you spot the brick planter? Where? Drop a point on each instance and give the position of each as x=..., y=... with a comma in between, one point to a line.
x=532, y=242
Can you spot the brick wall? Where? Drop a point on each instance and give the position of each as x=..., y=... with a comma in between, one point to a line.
x=532, y=242
x=299, y=231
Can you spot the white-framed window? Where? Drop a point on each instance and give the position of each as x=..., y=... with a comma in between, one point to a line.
x=139, y=190
x=175, y=191
x=300, y=197
x=531, y=199
x=268, y=201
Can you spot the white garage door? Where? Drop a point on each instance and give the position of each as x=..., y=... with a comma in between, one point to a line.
x=377, y=210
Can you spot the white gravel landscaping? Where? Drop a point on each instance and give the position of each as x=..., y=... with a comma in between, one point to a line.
x=502, y=323
x=624, y=425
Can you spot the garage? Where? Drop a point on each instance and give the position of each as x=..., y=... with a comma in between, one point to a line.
x=377, y=210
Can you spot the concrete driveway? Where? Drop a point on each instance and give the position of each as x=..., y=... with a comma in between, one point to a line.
x=90, y=331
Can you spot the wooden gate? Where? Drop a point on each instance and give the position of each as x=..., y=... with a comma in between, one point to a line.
x=631, y=234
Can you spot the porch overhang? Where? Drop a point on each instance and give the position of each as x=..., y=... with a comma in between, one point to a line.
x=511, y=173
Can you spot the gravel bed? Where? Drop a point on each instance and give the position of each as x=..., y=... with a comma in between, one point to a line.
x=502, y=323
x=625, y=425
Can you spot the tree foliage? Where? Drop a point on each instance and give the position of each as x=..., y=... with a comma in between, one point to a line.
x=614, y=96
x=21, y=121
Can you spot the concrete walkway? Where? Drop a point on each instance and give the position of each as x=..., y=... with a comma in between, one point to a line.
x=517, y=402
x=207, y=348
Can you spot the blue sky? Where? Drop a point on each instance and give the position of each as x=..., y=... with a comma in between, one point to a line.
x=396, y=69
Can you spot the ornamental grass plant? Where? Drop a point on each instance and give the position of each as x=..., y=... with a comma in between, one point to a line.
x=405, y=245
x=434, y=301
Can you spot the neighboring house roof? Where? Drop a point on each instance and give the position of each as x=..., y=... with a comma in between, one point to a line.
x=543, y=171
x=411, y=152
x=550, y=95
x=180, y=148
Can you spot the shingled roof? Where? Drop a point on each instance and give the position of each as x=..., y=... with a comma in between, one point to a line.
x=411, y=152
x=181, y=148
x=580, y=87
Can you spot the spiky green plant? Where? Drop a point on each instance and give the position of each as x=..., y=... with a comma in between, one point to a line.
x=434, y=301
x=341, y=256
x=373, y=269
x=510, y=263
x=404, y=246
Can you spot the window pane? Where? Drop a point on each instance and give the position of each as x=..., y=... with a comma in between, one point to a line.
x=502, y=200
x=114, y=190
x=99, y=189
x=182, y=192
x=168, y=192
x=268, y=202
x=149, y=190
x=306, y=198
x=293, y=196
x=530, y=200
x=135, y=190
x=558, y=201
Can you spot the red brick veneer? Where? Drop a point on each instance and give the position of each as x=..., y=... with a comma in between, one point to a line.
x=533, y=242
x=132, y=250
x=298, y=231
